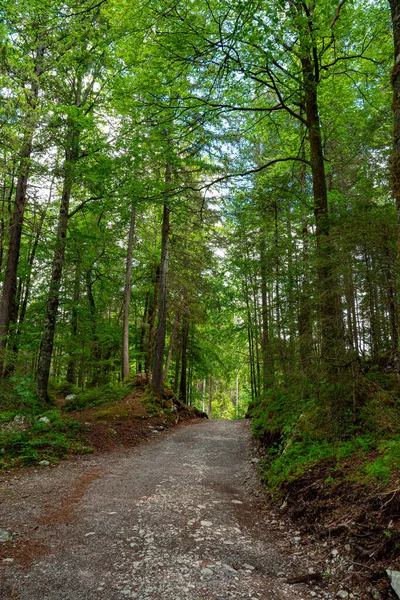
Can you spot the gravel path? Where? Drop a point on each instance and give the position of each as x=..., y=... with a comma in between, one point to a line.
x=179, y=518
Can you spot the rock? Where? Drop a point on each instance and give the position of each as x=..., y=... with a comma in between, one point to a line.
x=296, y=540
x=19, y=419
x=342, y=594
x=206, y=571
x=334, y=553
x=90, y=533
x=230, y=569
x=206, y=523
x=8, y=560
x=395, y=580
x=283, y=506
x=44, y=463
x=249, y=567
x=44, y=420
x=255, y=461
x=4, y=536
x=70, y=397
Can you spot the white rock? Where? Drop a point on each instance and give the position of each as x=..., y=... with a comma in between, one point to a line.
x=335, y=552
x=19, y=419
x=8, y=560
x=4, y=535
x=296, y=540
x=44, y=420
x=44, y=463
x=206, y=571
x=395, y=580
x=249, y=567
x=206, y=523
x=342, y=594
x=230, y=569
x=70, y=397
x=90, y=533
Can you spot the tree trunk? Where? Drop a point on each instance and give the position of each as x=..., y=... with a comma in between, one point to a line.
x=267, y=358
x=46, y=347
x=183, y=384
x=127, y=298
x=70, y=376
x=395, y=161
x=157, y=375
x=171, y=346
x=17, y=220
x=332, y=342
x=10, y=280
x=143, y=333
x=152, y=318
x=210, y=398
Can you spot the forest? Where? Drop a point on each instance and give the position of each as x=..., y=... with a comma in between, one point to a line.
x=204, y=197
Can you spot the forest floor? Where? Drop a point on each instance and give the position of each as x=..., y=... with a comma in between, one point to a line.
x=182, y=517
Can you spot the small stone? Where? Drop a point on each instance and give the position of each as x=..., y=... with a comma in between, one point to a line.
x=8, y=560
x=90, y=533
x=236, y=502
x=342, y=594
x=248, y=567
x=19, y=419
x=70, y=397
x=44, y=420
x=255, y=461
x=4, y=536
x=335, y=552
x=44, y=463
x=206, y=571
x=296, y=540
x=206, y=523
x=230, y=569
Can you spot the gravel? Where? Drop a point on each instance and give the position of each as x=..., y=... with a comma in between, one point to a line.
x=180, y=517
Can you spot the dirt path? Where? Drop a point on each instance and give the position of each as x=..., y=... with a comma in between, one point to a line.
x=178, y=518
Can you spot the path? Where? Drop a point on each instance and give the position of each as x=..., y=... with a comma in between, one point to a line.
x=175, y=519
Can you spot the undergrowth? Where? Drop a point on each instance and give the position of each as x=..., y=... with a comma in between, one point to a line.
x=355, y=434
x=25, y=439
x=96, y=397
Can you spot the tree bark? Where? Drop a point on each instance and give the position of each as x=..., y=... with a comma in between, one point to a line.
x=395, y=161
x=332, y=340
x=267, y=357
x=183, y=383
x=127, y=298
x=157, y=374
x=210, y=398
x=17, y=220
x=171, y=346
x=70, y=376
x=46, y=347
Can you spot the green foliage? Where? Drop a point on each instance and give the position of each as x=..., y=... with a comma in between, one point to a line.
x=96, y=397
x=18, y=394
x=295, y=423
x=387, y=463
x=29, y=441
